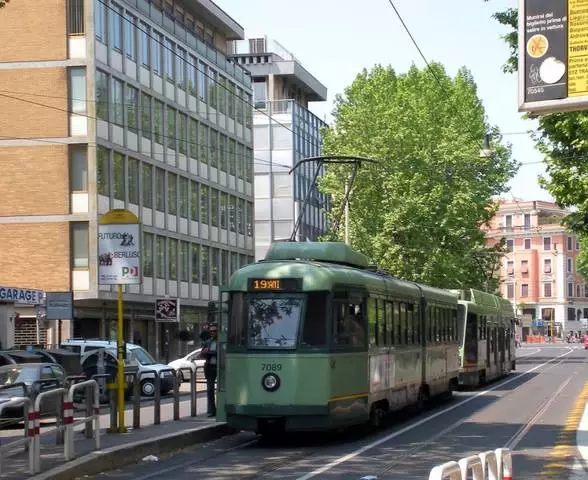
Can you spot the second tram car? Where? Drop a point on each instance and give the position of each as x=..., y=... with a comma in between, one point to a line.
x=486, y=331
x=317, y=339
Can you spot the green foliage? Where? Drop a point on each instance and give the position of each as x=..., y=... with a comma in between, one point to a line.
x=418, y=211
x=3, y=3
x=563, y=140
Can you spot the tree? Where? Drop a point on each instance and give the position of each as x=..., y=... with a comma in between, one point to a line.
x=561, y=137
x=3, y=3
x=418, y=211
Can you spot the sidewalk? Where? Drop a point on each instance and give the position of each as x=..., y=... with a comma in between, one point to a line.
x=116, y=449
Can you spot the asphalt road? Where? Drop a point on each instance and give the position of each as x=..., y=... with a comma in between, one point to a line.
x=534, y=412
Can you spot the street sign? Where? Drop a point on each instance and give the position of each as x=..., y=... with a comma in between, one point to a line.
x=167, y=310
x=119, y=248
x=21, y=295
x=553, y=66
x=59, y=305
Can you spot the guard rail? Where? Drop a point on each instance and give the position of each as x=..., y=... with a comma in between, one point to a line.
x=489, y=465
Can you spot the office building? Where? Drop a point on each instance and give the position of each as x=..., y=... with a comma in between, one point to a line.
x=285, y=132
x=124, y=104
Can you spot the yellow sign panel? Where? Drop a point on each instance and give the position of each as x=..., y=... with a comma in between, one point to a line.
x=118, y=216
x=577, y=48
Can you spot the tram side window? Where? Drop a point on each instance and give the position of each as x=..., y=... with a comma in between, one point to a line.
x=348, y=324
x=397, y=327
x=381, y=329
x=409, y=325
x=451, y=319
x=389, y=323
x=403, y=326
x=372, y=320
x=416, y=324
x=315, y=323
x=236, y=328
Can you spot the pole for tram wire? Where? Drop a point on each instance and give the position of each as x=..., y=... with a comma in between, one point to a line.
x=119, y=263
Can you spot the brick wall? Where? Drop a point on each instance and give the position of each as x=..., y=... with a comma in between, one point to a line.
x=25, y=332
x=26, y=116
x=35, y=180
x=33, y=30
x=35, y=255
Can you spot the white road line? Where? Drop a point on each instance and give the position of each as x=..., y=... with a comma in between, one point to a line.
x=520, y=434
x=536, y=350
x=408, y=428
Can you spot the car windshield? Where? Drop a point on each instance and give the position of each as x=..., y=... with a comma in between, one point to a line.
x=142, y=356
x=13, y=375
x=274, y=322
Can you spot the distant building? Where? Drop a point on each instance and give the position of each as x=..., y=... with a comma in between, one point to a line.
x=123, y=104
x=539, y=272
x=282, y=89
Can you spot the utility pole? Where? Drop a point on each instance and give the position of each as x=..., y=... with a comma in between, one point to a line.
x=347, y=192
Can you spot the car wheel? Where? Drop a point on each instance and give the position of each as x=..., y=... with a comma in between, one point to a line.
x=148, y=387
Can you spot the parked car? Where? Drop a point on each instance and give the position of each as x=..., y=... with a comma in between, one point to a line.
x=14, y=357
x=37, y=378
x=137, y=357
x=191, y=360
x=69, y=360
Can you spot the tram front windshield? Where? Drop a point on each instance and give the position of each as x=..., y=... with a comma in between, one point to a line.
x=273, y=322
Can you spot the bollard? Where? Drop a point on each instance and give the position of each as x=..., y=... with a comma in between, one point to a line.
x=59, y=419
x=157, y=402
x=471, y=464
x=176, y=396
x=113, y=410
x=137, y=401
x=89, y=401
x=447, y=471
x=504, y=461
x=489, y=466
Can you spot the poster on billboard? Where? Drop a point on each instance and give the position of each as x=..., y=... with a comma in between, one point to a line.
x=553, y=56
x=119, y=249
x=167, y=310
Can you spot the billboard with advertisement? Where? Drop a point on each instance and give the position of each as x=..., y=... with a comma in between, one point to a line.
x=167, y=310
x=119, y=254
x=553, y=56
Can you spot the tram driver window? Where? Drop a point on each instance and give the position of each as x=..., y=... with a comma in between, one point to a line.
x=315, y=328
x=348, y=325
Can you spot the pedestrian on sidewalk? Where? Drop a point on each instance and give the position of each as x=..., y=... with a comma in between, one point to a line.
x=209, y=352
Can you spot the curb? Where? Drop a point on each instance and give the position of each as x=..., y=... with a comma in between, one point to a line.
x=121, y=455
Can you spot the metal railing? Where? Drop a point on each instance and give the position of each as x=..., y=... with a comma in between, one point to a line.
x=29, y=431
x=489, y=465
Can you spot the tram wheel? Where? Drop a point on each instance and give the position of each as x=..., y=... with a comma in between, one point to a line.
x=423, y=399
x=377, y=414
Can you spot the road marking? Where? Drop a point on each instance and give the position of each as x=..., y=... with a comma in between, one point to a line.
x=520, y=434
x=560, y=457
x=536, y=350
x=408, y=428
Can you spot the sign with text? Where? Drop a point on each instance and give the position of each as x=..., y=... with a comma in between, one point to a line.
x=119, y=249
x=167, y=310
x=59, y=305
x=21, y=295
x=553, y=55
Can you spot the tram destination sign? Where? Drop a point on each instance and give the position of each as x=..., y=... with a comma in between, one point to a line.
x=275, y=284
x=553, y=56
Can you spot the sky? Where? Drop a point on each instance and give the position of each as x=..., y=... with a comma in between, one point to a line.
x=335, y=39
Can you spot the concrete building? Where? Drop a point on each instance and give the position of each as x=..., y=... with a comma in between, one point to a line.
x=538, y=273
x=124, y=104
x=285, y=131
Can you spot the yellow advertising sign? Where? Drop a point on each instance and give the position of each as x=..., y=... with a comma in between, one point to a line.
x=577, y=48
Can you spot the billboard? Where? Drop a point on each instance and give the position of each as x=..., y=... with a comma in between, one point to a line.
x=167, y=310
x=59, y=305
x=553, y=56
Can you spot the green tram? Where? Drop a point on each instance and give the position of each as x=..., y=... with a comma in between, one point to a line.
x=317, y=339
x=486, y=332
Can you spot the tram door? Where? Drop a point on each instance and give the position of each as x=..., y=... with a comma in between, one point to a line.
x=223, y=317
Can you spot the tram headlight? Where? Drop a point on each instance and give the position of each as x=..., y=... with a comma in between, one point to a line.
x=270, y=382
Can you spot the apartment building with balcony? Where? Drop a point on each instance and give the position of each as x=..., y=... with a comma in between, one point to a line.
x=124, y=104
x=285, y=131
x=538, y=273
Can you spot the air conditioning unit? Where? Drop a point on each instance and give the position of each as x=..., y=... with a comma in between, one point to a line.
x=258, y=45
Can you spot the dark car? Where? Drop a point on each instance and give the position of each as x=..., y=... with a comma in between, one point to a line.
x=14, y=357
x=37, y=378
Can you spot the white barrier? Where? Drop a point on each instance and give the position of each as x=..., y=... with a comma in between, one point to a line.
x=489, y=465
x=60, y=392
x=29, y=431
x=70, y=422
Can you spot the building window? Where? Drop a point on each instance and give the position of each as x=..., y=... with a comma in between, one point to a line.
x=241, y=216
x=571, y=314
x=586, y=291
x=510, y=267
x=232, y=214
x=524, y=290
x=160, y=189
x=224, y=267
x=169, y=60
x=133, y=180
x=192, y=69
x=77, y=90
x=525, y=267
x=100, y=20
x=546, y=243
x=214, y=266
x=195, y=263
x=183, y=266
x=157, y=53
x=147, y=254
x=78, y=168
x=102, y=95
x=181, y=68
x=214, y=209
x=213, y=156
x=80, y=244
x=510, y=290
x=204, y=204
x=132, y=104
x=205, y=264
x=194, y=201
x=129, y=29
x=118, y=173
x=203, y=142
x=547, y=289
x=212, y=87
x=147, y=185
x=182, y=140
x=221, y=89
x=570, y=243
x=527, y=244
x=202, y=81
x=249, y=219
x=171, y=128
x=547, y=265
x=160, y=252
x=158, y=121
x=117, y=102
x=172, y=193
x=183, y=197
x=193, y=143
x=172, y=253
x=260, y=94
x=570, y=289
x=222, y=208
x=115, y=14
x=145, y=115
x=570, y=265
x=103, y=171
x=144, y=44
x=527, y=221
x=222, y=153
x=578, y=291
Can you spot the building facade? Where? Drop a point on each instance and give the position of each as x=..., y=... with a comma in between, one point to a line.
x=285, y=131
x=538, y=274
x=124, y=104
